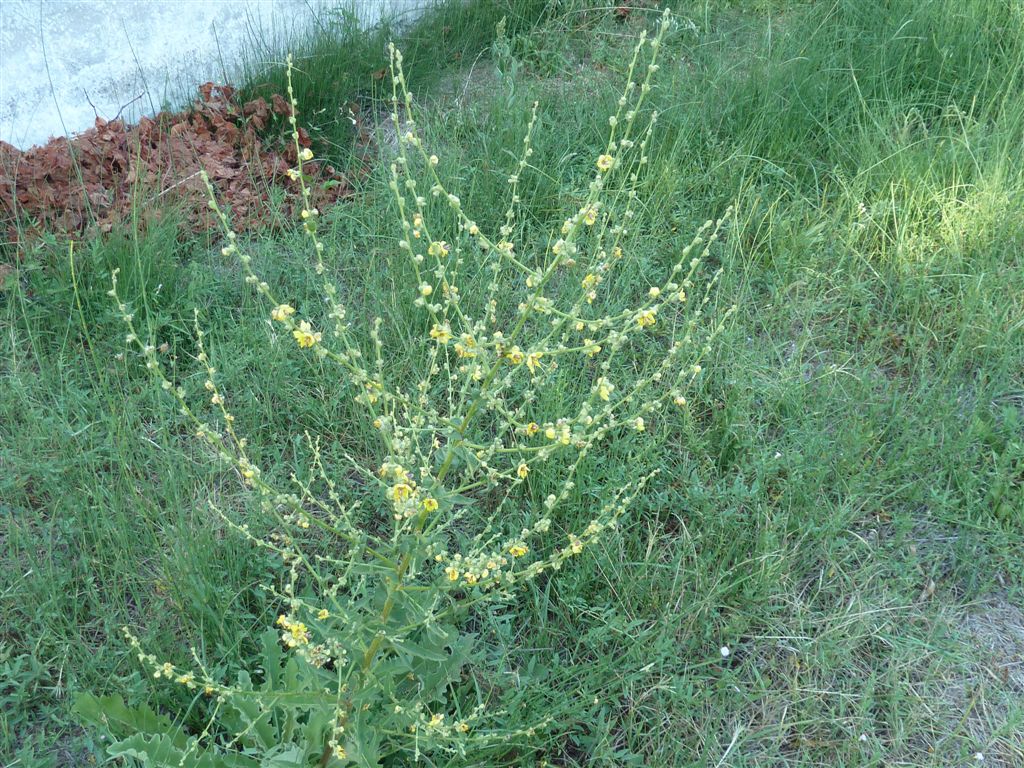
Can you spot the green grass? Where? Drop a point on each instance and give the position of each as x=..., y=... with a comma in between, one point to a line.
x=842, y=505
x=338, y=62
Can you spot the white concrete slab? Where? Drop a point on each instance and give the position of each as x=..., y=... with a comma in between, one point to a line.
x=62, y=62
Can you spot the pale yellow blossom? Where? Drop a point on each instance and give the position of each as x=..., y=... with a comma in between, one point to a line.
x=646, y=318
x=282, y=312
x=441, y=333
x=306, y=336
x=401, y=492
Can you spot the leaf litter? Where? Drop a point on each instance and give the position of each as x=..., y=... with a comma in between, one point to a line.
x=103, y=176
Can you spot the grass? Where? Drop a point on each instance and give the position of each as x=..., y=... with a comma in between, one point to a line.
x=842, y=506
x=338, y=60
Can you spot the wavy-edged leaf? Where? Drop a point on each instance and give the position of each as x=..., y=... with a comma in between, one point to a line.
x=162, y=752
x=111, y=714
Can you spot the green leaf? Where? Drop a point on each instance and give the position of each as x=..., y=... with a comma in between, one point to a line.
x=316, y=729
x=286, y=757
x=112, y=715
x=272, y=658
x=363, y=744
x=162, y=752
x=259, y=729
x=431, y=652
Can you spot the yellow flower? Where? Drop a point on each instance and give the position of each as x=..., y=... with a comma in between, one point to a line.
x=590, y=281
x=575, y=544
x=532, y=429
x=401, y=492
x=323, y=614
x=430, y=504
x=646, y=318
x=466, y=346
x=592, y=348
x=451, y=573
x=515, y=355
x=438, y=248
x=639, y=424
x=426, y=289
x=306, y=154
x=282, y=312
x=533, y=361
x=339, y=752
x=679, y=400
x=518, y=549
x=590, y=216
x=436, y=720
x=604, y=389
x=306, y=336
x=522, y=470
x=560, y=432
x=442, y=333
x=395, y=470
x=296, y=634
x=655, y=292
x=462, y=727
x=605, y=163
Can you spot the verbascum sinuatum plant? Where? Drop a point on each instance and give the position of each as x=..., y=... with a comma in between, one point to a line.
x=385, y=563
